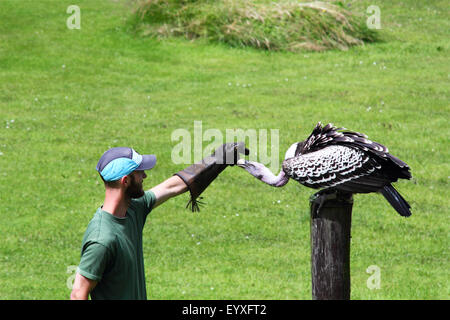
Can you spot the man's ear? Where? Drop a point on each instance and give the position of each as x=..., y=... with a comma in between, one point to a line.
x=125, y=181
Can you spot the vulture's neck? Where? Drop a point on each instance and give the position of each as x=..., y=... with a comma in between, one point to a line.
x=261, y=172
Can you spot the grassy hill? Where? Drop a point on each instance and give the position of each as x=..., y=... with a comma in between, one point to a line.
x=68, y=95
x=271, y=25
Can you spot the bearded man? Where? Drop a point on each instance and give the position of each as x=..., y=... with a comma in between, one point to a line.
x=112, y=261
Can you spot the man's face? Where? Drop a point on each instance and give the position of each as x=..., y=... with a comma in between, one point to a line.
x=135, y=189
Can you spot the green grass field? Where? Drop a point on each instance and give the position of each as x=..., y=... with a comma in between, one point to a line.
x=68, y=95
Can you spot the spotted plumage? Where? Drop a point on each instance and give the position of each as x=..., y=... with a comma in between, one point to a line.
x=329, y=167
x=336, y=158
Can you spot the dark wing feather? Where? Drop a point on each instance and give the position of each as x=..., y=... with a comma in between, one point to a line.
x=321, y=137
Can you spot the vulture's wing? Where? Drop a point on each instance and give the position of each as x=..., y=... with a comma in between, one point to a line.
x=343, y=167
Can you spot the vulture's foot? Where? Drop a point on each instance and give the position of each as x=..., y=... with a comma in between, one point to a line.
x=318, y=199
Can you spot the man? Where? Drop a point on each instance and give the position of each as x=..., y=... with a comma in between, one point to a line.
x=112, y=262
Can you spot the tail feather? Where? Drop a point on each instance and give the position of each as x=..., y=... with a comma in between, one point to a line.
x=396, y=200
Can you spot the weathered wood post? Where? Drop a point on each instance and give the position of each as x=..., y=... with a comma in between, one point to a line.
x=331, y=219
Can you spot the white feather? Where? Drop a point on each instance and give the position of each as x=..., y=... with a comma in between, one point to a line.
x=290, y=153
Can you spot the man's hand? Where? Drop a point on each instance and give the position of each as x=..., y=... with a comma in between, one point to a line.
x=228, y=153
x=199, y=176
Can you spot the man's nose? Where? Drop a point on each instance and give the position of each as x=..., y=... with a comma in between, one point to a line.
x=144, y=176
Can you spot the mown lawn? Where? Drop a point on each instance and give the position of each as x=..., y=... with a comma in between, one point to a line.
x=68, y=95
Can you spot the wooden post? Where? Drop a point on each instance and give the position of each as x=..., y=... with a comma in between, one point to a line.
x=331, y=219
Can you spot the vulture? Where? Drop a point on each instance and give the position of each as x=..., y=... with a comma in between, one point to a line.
x=336, y=159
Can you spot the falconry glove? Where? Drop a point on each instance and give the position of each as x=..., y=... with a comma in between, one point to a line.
x=200, y=175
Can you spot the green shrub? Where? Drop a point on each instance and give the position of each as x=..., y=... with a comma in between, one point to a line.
x=290, y=26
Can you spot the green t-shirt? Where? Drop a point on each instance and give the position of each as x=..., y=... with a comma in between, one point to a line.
x=111, y=252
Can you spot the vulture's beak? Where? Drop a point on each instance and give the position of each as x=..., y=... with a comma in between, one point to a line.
x=241, y=163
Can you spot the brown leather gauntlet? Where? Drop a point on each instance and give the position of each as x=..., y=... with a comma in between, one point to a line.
x=200, y=175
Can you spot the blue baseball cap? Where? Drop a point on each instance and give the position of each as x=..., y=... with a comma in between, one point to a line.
x=118, y=162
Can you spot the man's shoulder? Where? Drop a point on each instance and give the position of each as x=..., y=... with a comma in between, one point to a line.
x=100, y=231
x=145, y=202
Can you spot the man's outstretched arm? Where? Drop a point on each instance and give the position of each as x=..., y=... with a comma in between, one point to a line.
x=168, y=189
x=197, y=177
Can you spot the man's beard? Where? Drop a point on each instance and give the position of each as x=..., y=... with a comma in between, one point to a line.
x=135, y=190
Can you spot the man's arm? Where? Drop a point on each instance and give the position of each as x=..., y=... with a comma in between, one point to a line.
x=82, y=286
x=197, y=177
x=168, y=189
